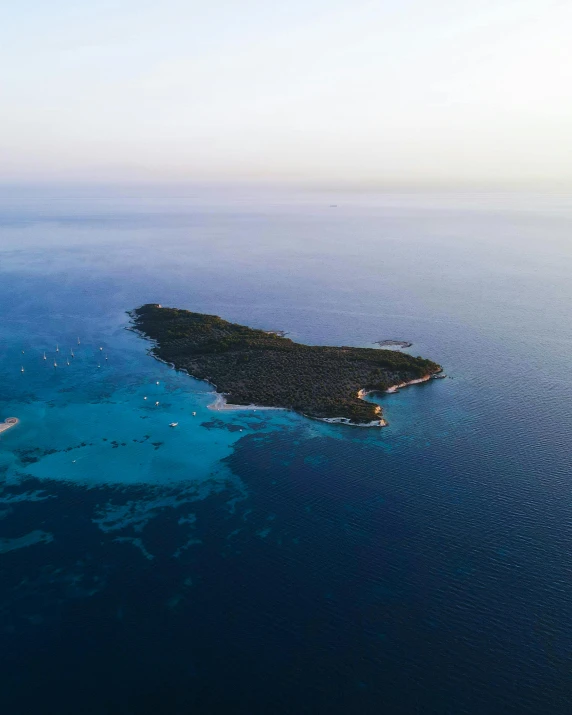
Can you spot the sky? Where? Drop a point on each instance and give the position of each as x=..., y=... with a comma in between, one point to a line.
x=307, y=91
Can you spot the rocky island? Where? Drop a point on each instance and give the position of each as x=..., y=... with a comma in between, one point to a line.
x=393, y=343
x=256, y=367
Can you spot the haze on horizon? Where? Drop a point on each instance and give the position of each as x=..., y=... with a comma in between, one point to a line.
x=310, y=91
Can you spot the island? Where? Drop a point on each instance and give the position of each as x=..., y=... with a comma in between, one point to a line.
x=8, y=424
x=393, y=343
x=263, y=368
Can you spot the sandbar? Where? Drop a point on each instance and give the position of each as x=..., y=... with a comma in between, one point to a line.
x=8, y=423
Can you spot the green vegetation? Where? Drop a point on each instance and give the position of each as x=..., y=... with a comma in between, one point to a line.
x=257, y=367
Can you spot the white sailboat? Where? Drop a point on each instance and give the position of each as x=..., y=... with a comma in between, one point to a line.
x=78, y=341
x=57, y=348
x=22, y=369
x=45, y=358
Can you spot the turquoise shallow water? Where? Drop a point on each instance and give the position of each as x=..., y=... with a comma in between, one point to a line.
x=96, y=421
x=260, y=561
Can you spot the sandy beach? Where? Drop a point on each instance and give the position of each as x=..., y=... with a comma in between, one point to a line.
x=8, y=423
x=220, y=403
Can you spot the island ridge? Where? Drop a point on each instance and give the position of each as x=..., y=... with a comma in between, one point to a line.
x=264, y=368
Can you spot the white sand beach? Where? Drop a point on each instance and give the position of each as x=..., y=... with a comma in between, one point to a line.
x=8, y=423
x=220, y=403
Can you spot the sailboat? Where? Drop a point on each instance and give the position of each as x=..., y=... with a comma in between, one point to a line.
x=68, y=361
x=22, y=370
x=57, y=348
x=45, y=358
x=78, y=341
x=55, y=364
x=72, y=354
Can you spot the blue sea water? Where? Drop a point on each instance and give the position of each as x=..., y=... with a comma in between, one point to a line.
x=259, y=562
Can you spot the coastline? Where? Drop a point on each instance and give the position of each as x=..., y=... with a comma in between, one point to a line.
x=348, y=422
x=363, y=393
x=395, y=388
x=220, y=403
x=8, y=423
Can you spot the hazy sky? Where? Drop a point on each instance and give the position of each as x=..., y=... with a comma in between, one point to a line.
x=303, y=90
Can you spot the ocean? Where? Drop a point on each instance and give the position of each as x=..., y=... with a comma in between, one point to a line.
x=257, y=561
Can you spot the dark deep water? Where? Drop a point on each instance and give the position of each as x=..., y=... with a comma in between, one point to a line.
x=292, y=567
